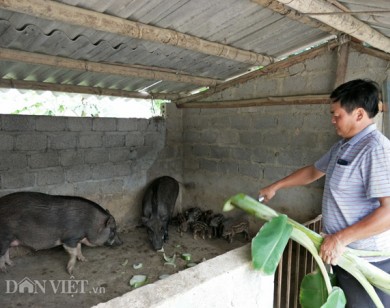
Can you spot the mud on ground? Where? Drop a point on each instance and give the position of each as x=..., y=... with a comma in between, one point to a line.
x=105, y=275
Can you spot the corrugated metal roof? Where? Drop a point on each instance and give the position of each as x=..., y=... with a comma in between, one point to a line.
x=243, y=24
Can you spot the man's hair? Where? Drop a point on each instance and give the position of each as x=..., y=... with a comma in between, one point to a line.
x=359, y=93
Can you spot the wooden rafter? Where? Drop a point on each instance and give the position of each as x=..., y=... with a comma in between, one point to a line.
x=68, y=14
x=45, y=86
x=258, y=73
x=277, y=7
x=344, y=22
x=262, y=101
x=113, y=69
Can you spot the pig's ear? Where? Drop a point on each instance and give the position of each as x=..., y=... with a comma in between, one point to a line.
x=110, y=222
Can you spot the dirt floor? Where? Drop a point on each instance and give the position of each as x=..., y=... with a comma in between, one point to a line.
x=40, y=279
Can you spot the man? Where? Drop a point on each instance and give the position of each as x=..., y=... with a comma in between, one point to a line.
x=356, y=200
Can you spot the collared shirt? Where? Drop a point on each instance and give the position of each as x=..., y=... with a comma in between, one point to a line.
x=357, y=174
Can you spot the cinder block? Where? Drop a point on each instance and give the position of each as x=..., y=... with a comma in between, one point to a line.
x=78, y=173
x=31, y=142
x=230, y=136
x=79, y=124
x=114, y=140
x=12, y=161
x=126, y=125
x=251, y=138
x=50, y=177
x=50, y=124
x=43, y=160
x=120, y=155
x=18, y=123
x=134, y=139
x=12, y=180
x=208, y=165
x=90, y=140
x=71, y=157
x=63, y=141
x=6, y=142
x=104, y=124
x=95, y=156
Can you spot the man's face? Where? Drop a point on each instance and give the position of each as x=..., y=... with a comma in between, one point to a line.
x=345, y=123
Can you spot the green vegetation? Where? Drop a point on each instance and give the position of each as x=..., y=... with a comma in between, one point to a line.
x=273, y=236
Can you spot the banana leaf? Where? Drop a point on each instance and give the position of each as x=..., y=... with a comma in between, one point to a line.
x=336, y=299
x=313, y=290
x=269, y=243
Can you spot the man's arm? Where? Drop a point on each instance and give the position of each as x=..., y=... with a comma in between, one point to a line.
x=377, y=222
x=303, y=176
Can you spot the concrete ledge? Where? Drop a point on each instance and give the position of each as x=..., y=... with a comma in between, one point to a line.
x=224, y=281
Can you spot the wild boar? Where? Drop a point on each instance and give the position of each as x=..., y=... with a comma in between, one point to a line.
x=42, y=221
x=158, y=205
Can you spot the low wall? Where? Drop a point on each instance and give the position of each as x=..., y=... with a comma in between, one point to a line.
x=224, y=281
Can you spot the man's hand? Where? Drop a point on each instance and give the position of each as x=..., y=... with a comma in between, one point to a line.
x=331, y=249
x=267, y=193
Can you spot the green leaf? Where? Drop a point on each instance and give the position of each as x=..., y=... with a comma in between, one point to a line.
x=313, y=292
x=269, y=243
x=336, y=299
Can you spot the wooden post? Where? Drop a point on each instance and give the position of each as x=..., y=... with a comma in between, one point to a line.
x=342, y=64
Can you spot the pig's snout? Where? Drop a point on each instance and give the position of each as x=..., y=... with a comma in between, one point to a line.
x=114, y=241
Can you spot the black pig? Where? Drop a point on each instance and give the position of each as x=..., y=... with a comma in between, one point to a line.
x=42, y=221
x=157, y=209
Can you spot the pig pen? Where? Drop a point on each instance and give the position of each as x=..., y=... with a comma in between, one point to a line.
x=39, y=279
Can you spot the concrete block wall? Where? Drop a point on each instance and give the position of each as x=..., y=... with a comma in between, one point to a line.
x=250, y=149
x=109, y=161
x=228, y=151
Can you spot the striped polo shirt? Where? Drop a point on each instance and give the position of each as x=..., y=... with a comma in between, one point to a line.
x=357, y=173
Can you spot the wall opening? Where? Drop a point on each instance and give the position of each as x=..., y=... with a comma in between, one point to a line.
x=29, y=102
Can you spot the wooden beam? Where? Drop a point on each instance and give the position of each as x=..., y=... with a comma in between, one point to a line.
x=45, y=86
x=342, y=64
x=370, y=51
x=295, y=15
x=68, y=14
x=113, y=69
x=261, y=101
x=345, y=23
x=310, y=54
